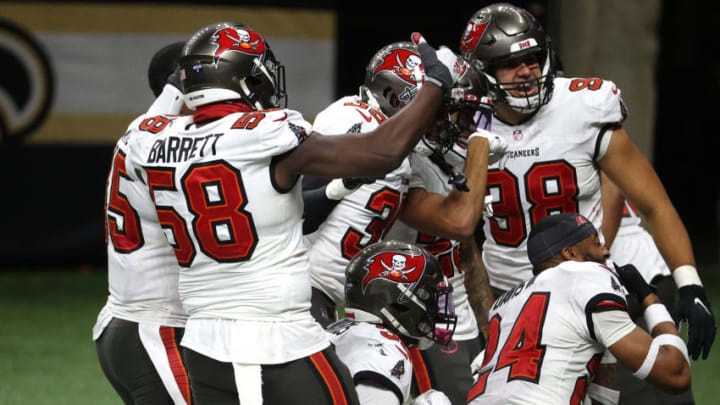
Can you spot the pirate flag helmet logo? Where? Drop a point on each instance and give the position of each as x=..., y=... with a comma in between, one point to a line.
x=237, y=39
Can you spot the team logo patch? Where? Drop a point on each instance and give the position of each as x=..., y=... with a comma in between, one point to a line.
x=394, y=266
x=471, y=36
x=355, y=129
x=299, y=132
x=398, y=370
x=235, y=39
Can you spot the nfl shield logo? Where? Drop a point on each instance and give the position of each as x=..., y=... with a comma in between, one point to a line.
x=517, y=135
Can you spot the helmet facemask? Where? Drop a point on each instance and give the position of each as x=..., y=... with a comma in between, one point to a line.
x=501, y=91
x=439, y=320
x=267, y=82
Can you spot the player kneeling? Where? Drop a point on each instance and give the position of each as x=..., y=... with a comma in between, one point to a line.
x=547, y=336
x=396, y=296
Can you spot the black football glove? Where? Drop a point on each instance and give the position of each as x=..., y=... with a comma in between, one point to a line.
x=634, y=281
x=435, y=71
x=694, y=308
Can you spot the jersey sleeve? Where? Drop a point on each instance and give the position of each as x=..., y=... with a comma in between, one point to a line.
x=340, y=119
x=607, y=112
x=596, y=289
x=130, y=145
x=170, y=101
x=283, y=131
x=611, y=326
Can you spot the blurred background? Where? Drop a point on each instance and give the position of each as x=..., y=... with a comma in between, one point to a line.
x=73, y=75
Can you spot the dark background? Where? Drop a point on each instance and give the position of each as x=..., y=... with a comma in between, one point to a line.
x=52, y=197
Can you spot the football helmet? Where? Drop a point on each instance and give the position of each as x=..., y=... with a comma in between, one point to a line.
x=392, y=77
x=502, y=32
x=231, y=61
x=466, y=109
x=401, y=286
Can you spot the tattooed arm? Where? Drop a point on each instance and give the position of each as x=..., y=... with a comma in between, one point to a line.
x=477, y=282
x=604, y=389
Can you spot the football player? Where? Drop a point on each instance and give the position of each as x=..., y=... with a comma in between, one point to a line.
x=138, y=331
x=562, y=132
x=440, y=214
x=548, y=334
x=363, y=217
x=631, y=243
x=226, y=186
x=396, y=297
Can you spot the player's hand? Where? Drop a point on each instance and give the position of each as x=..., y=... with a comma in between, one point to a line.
x=634, y=281
x=435, y=71
x=450, y=60
x=694, y=308
x=498, y=147
x=432, y=397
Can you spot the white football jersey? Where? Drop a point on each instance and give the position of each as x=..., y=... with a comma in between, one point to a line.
x=552, y=168
x=633, y=244
x=361, y=218
x=427, y=175
x=543, y=345
x=374, y=353
x=142, y=270
x=245, y=281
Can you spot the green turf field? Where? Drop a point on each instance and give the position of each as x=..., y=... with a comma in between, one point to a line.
x=47, y=355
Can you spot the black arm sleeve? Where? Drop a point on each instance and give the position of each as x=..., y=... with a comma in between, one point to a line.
x=317, y=205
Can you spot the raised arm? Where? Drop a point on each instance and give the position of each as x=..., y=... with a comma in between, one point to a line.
x=374, y=153
x=457, y=215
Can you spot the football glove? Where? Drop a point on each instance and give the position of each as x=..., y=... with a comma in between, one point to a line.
x=694, y=308
x=435, y=71
x=634, y=281
x=498, y=147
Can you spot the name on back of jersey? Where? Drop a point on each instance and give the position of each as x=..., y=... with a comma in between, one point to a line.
x=174, y=149
x=511, y=293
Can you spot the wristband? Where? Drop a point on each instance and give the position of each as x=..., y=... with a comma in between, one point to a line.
x=686, y=275
x=656, y=314
x=336, y=190
x=481, y=133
